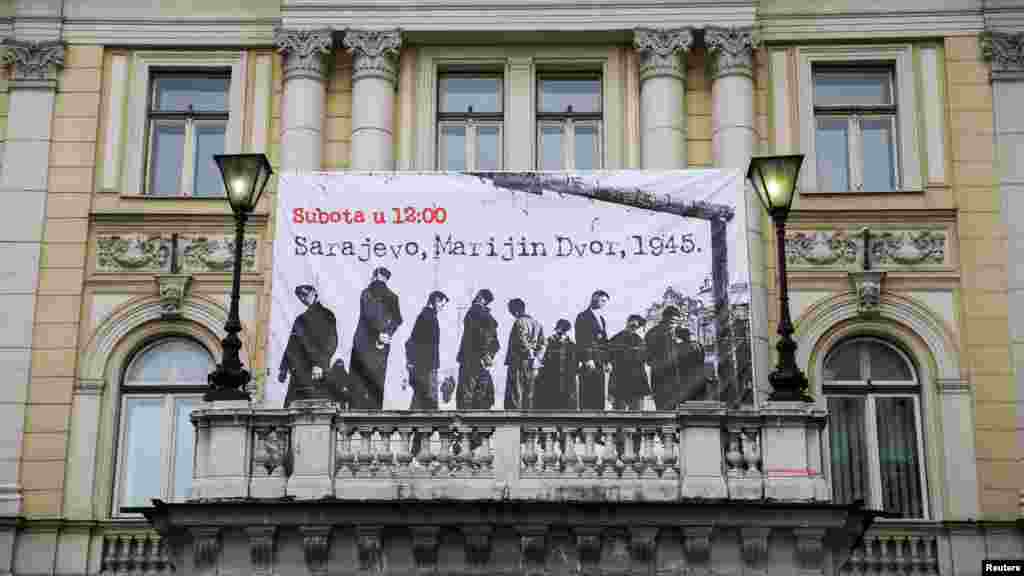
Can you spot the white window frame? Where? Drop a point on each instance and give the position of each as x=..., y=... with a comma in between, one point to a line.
x=568, y=127
x=472, y=125
x=136, y=147
x=871, y=425
x=907, y=134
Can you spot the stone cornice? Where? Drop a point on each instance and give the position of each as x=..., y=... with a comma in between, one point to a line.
x=191, y=31
x=375, y=53
x=1006, y=53
x=304, y=51
x=34, y=64
x=731, y=50
x=868, y=24
x=660, y=50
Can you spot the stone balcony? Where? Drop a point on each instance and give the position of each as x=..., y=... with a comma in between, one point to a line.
x=702, y=451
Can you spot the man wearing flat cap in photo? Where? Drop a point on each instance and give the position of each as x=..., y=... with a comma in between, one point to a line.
x=379, y=317
x=311, y=346
x=677, y=363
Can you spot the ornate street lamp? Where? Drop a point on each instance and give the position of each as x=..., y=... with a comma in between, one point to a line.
x=245, y=176
x=774, y=178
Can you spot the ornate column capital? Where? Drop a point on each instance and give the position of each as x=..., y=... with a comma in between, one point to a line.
x=731, y=50
x=303, y=51
x=659, y=51
x=1006, y=52
x=34, y=64
x=374, y=53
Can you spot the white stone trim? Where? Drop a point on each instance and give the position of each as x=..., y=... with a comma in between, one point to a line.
x=933, y=115
x=901, y=55
x=782, y=103
x=259, y=135
x=113, y=142
x=135, y=145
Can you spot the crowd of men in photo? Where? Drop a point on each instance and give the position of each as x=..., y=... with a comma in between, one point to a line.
x=577, y=367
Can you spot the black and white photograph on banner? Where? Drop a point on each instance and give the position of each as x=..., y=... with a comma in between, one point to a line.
x=510, y=291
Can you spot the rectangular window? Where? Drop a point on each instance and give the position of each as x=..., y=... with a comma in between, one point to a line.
x=187, y=124
x=569, y=115
x=470, y=121
x=855, y=119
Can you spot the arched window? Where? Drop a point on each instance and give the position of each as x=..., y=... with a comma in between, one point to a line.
x=162, y=384
x=875, y=427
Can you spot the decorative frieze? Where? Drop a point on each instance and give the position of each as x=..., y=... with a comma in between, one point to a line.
x=374, y=53
x=215, y=253
x=303, y=51
x=172, y=254
x=886, y=248
x=1006, y=52
x=34, y=63
x=660, y=51
x=731, y=50
x=909, y=247
x=821, y=248
x=134, y=253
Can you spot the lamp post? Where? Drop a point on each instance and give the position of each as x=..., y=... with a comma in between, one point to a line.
x=245, y=176
x=774, y=178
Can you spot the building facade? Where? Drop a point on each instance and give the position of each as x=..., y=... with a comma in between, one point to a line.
x=905, y=266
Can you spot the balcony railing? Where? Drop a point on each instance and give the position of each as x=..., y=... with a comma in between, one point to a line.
x=702, y=450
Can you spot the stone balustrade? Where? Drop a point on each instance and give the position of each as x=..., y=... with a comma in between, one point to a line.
x=700, y=451
x=135, y=552
x=896, y=549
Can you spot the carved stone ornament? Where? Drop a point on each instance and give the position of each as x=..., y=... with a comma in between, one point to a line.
x=370, y=547
x=205, y=548
x=477, y=543
x=810, y=546
x=261, y=548
x=303, y=51
x=534, y=544
x=588, y=545
x=660, y=50
x=867, y=286
x=137, y=253
x=731, y=50
x=1005, y=51
x=697, y=542
x=31, y=61
x=316, y=547
x=642, y=541
x=754, y=543
x=909, y=247
x=375, y=53
x=821, y=248
x=272, y=449
x=207, y=254
x=172, y=289
x=425, y=542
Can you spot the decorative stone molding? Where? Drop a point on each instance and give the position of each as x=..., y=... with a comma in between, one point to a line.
x=374, y=53
x=588, y=545
x=909, y=247
x=271, y=449
x=369, y=545
x=754, y=543
x=867, y=285
x=660, y=50
x=810, y=547
x=89, y=386
x=205, y=548
x=261, y=548
x=135, y=253
x=534, y=544
x=1006, y=52
x=303, y=51
x=477, y=543
x=34, y=63
x=731, y=50
x=316, y=547
x=425, y=542
x=953, y=386
x=143, y=553
x=172, y=289
x=642, y=542
x=821, y=248
x=215, y=254
x=697, y=542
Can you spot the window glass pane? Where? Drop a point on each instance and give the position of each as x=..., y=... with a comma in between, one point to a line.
x=831, y=147
x=142, y=466
x=168, y=150
x=843, y=363
x=551, y=148
x=852, y=88
x=897, y=456
x=183, y=446
x=584, y=95
x=453, y=147
x=586, y=148
x=877, y=139
x=488, y=148
x=848, y=449
x=458, y=94
x=209, y=141
x=886, y=363
x=173, y=361
x=202, y=93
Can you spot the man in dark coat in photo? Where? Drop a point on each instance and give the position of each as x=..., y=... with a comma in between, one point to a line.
x=677, y=362
x=476, y=354
x=311, y=345
x=556, y=383
x=591, y=341
x=379, y=317
x=629, y=384
x=523, y=356
x=422, y=354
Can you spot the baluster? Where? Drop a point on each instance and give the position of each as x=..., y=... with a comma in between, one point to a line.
x=529, y=449
x=870, y=558
x=573, y=464
x=346, y=458
x=423, y=434
x=752, y=451
x=435, y=449
x=484, y=454
x=444, y=453
x=609, y=455
x=590, y=453
x=124, y=558
x=139, y=554
x=461, y=457
x=364, y=458
x=404, y=456
x=155, y=565
x=669, y=458
x=108, y=562
x=931, y=555
x=629, y=453
x=390, y=450
x=734, y=454
x=649, y=455
x=551, y=463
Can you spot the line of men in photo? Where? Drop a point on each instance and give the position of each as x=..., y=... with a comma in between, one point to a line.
x=559, y=372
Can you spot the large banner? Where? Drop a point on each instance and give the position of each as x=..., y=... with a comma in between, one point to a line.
x=619, y=290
